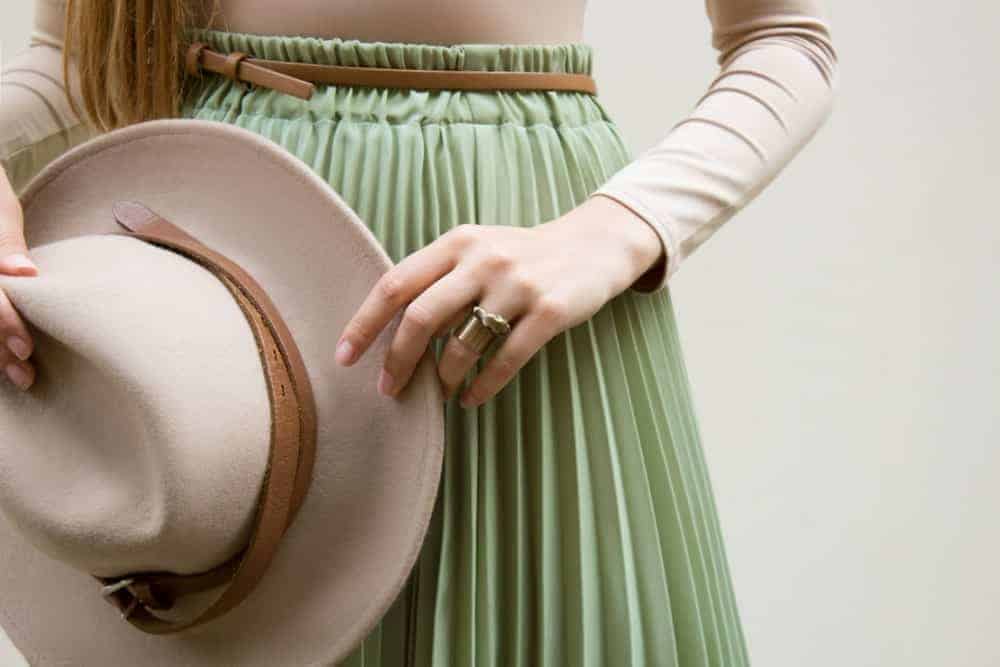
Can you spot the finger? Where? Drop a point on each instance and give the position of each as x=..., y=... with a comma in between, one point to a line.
x=421, y=318
x=526, y=337
x=15, y=347
x=393, y=290
x=455, y=321
x=20, y=373
x=14, y=336
x=14, y=258
x=458, y=358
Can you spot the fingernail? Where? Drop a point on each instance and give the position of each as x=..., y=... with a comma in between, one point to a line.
x=345, y=352
x=18, y=347
x=18, y=376
x=18, y=265
x=468, y=400
x=385, y=383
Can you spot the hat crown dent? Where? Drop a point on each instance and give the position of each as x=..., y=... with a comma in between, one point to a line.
x=164, y=474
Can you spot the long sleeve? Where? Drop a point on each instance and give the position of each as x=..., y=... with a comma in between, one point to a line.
x=36, y=121
x=775, y=88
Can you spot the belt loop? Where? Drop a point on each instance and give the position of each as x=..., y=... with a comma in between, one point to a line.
x=232, y=65
x=193, y=59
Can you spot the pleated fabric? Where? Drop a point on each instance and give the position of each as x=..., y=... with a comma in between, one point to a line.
x=575, y=523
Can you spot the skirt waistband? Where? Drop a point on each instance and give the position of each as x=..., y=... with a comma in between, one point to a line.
x=570, y=57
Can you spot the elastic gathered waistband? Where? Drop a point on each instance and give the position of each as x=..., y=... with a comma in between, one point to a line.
x=572, y=57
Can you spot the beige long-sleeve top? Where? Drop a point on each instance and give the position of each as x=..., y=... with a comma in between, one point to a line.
x=775, y=87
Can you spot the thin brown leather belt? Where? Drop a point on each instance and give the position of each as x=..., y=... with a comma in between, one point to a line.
x=298, y=79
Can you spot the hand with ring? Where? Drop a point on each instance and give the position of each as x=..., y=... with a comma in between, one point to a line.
x=517, y=286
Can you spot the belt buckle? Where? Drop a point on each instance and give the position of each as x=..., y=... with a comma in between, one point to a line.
x=126, y=599
x=114, y=594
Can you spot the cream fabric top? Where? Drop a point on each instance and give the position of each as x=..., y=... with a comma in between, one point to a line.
x=775, y=87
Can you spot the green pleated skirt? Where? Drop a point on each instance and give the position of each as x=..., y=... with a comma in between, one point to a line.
x=575, y=523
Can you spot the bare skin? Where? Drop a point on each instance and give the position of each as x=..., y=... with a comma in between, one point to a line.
x=542, y=279
x=17, y=346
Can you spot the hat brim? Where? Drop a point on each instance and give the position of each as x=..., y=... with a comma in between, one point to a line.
x=349, y=551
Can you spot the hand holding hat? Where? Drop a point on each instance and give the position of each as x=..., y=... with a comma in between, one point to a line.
x=233, y=493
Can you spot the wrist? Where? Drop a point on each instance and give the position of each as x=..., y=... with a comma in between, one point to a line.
x=642, y=248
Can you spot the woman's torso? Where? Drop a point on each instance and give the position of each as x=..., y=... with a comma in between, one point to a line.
x=429, y=21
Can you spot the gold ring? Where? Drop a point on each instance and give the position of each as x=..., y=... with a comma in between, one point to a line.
x=480, y=328
x=496, y=323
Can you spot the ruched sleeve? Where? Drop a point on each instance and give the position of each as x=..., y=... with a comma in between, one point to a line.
x=36, y=121
x=774, y=89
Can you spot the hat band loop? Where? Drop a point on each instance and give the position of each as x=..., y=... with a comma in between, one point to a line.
x=291, y=456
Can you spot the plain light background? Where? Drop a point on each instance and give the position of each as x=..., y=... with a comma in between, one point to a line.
x=841, y=333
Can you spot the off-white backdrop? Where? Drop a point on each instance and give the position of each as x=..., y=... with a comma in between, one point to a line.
x=841, y=334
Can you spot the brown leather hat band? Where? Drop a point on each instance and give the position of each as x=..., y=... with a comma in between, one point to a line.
x=298, y=78
x=290, y=460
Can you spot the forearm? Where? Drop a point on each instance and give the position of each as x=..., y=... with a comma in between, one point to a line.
x=36, y=120
x=775, y=87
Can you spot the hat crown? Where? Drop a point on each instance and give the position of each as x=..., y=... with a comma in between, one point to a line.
x=155, y=426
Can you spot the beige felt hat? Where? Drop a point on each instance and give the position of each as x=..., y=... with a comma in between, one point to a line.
x=188, y=417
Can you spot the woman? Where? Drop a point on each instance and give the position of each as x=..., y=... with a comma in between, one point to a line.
x=576, y=523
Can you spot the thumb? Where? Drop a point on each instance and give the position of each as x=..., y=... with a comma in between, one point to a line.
x=14, y=260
